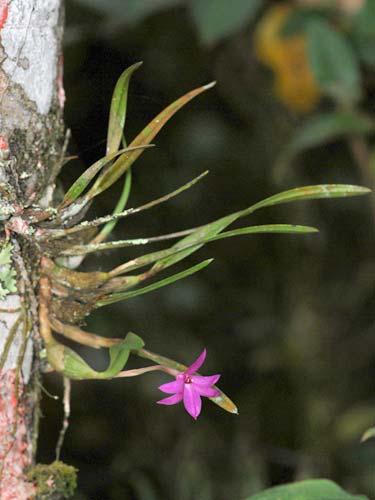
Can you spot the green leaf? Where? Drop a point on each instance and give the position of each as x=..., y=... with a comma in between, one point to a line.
x=214, y=228
x=163, y=254
x=364, y=20
x=76, y=367
x=64, y=360
x=217, y=19
x=60, y=233
x=266, y=228
x=313, y=489
x=117, y=114
x=310, y=193
x=119, y=355
x=83, y=180
x=196, y=239
x=134, y=341
x=120, y=205
x=366, y=50
x=333, y=62
x=120, y=166
x=363, y=32
x=116, y=297
x=323, y=128
x=117, y=117
x=73, y=366
x=298, y=19
x=192, y=243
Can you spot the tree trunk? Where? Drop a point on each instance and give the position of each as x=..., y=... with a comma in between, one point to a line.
x=31, y=136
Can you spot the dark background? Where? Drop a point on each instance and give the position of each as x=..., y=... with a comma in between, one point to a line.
x=287, y=320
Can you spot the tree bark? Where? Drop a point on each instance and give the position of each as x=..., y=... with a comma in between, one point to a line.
x=31, y=137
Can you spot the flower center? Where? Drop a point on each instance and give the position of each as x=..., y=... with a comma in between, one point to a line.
x=187, y=379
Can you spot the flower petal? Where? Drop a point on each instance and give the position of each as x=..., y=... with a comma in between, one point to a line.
x=208, y=392
x=205, y=381
x=192, y=401
x=194, y=367
x=171, y=400
x=172, y=387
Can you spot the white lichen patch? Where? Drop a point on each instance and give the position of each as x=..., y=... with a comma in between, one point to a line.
x=16, y=344
x=30, y=46
x=13, y=340
x=24, y=175
x=8, y=282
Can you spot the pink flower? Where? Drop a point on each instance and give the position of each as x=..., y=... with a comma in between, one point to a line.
x=189, y=388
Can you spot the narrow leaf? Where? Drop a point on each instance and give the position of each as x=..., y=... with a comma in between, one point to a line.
x=310, y=193
x=83, y=180
x=116, y=297
x=162, y=254
x=214, y=228
x=121, y=204
x=61, y=233
x=110, y=245
x=117, y=114
x=267, y=228
x=193, y=242
x=145, y=137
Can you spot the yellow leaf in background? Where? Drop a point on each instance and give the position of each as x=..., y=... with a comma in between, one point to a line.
x=267, y=37
x=295, y=85
x=296, y=88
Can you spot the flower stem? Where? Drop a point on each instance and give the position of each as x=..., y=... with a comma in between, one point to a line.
x=140, y=371
x=161, y=360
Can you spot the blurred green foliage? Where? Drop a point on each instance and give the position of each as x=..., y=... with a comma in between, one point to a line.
x=307, y=490
x=289, y=322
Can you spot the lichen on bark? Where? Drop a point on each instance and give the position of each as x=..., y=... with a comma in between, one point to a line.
x=31, y=143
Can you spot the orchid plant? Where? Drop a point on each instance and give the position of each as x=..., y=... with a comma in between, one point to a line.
x=68, y=295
